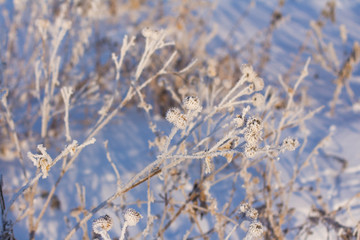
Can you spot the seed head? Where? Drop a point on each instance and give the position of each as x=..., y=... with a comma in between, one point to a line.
x=172, y=114
x=248, y=71
x=132, y=217
x=252, y=138
x=290, y=144
x=252, y=213
x=258, y=100
x=175, y=117
x=258, y=83
x=150, y=33
x=256, y=229
x=239, y=120
x=244, y=206
x=103, y=223
x=254, y=124
x=250, y=150
x=192, y=103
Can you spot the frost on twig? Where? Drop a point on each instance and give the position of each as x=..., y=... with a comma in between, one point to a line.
x=154, y=40
x=66, y=94
x=119, y=61
x=44, y=160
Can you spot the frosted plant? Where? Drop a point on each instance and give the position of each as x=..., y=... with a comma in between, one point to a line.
x=258, y=100
x=192, y=103
x=258, y=83
x=248, y=71
x=289, y=144
x=255, y=231
x=244, y=206
x=132, y=217
x=66, y=94
x=102, y=225
x=239, y=120
x=252, y=213
x=208, y=165
x=175, y=117
x=42, y=160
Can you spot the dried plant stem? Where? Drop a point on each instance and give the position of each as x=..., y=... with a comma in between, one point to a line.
x=13, y=132
x=123, y=231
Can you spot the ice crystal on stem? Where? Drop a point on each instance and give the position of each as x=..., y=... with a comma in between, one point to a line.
x=42, y=160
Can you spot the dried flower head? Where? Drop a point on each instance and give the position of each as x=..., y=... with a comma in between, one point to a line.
x=103, y=223
x=254, y=124
x=192, y=103
x=290, y=144
x=258, y=83
x=248, y=71
x=252, y=137
x=239, y=120
x=256, y=229
x=252, y=213
x=175, y=117
x=258, y=100
x=150, y=33
x=250, y=88
x=250, y=150
x=244, y=206
x=172, y=114
x=181, y=122
x=132, y=217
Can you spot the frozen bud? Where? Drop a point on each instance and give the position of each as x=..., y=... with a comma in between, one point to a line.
x=258, y=100
x=252, y=213
x=250, y=150
x=244, y=206
x=248, y=72
x=132, y=217
x=258, y=84
x=256, y=229
x=239, y=120
x=290, y=144
x=103, y=223
x=254, y=124
x=192, y=103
